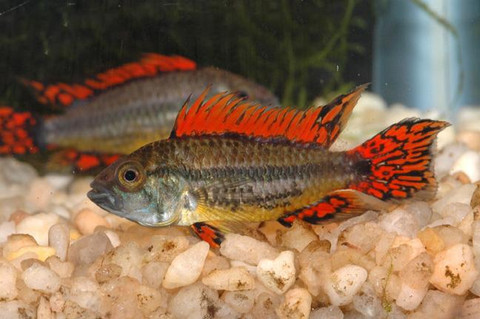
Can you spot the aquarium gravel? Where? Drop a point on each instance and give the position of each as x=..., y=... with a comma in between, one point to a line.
x=63, y=257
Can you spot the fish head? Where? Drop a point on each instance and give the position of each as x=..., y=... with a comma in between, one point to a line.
x=126, y=189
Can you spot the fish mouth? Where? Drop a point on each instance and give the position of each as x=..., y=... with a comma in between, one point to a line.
x=103, y=197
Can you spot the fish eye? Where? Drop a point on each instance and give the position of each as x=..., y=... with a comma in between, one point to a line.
x=130, y=176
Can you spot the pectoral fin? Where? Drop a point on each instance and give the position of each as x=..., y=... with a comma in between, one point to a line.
x=214, y=232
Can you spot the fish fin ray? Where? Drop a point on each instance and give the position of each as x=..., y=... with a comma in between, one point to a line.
x=224, y=113
x=398, y=161
x=150, y=65
x=334, y=207
x=17, y=132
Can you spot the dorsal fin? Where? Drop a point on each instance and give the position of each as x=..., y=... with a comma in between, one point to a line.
x=225, y=113
x=150, y=65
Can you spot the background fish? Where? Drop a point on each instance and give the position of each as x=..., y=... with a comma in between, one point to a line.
x=228, y=162
x=116, y=115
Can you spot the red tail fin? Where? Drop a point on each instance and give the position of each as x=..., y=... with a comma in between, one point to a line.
x=16, y=132
x=397, y=163
x=151, y=64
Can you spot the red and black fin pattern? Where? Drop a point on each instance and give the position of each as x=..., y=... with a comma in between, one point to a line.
x=212, y=235
x=17, y=132
x=334, y=207
x=399, y=160
x=227, y=114
x=151, y=64
x=80, y=162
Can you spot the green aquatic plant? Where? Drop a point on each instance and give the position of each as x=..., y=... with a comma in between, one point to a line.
x=297, y=48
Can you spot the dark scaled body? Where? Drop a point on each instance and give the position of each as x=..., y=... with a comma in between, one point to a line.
x=254, y=180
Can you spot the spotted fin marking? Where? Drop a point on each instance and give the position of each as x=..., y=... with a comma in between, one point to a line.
x=399, y=161
x=80, y=162
x=151, y=64
x=225, y=113
x=334, y=207
x=17, y=131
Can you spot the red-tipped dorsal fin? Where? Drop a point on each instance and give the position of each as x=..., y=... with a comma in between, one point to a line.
x=224, y=113
x=150, y=65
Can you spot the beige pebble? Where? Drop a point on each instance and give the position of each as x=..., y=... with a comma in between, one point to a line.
x=232, y=279
x=278, y=274
x=41, y=252
x=17, y=241
x=186, y=267
x=86, y=221
x=43, y=310
x=18, y=216
x=454, y=270
x=297, y=304
x=38, y=225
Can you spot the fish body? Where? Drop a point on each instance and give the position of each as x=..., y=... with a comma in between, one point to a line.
x=124, y=118
x=122, y=109
x=228, y=162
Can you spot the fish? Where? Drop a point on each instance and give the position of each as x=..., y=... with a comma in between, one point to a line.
x=229, y=162
x=116, y=111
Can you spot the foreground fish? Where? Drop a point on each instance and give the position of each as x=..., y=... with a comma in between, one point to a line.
x=228, y=162
x=117, y=115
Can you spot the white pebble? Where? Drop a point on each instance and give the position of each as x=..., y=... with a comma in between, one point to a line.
x=6, y=229
x=400, y=221
x=421, y=211
x=232, y=279
x=367, y=303
x=8, y=278
x=415, y=278
x=85, y=292
x=16, y=309
x=40, y=193
x=331, y=312
x=41, y=278
x=193, y=302
x=454, y=270
x=246, y=249
x=277, y=275
x=86, y=249
x=153, y=273
x=344, y=283
x=186, y=267
x=297, y=304
x=59, y=238
x=298, y=237
x=469, y=163
x=240, y=301
x=438, y=305
x=43, y=309
x=470, y=309
x=37, y=226
x=462, y=194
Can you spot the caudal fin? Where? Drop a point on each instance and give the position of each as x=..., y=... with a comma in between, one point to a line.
x=17, y=131
x=397, y=163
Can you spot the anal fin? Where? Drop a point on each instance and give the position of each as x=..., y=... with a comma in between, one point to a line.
x=335, y=206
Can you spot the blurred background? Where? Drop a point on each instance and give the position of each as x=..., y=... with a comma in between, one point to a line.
x=422, y=53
